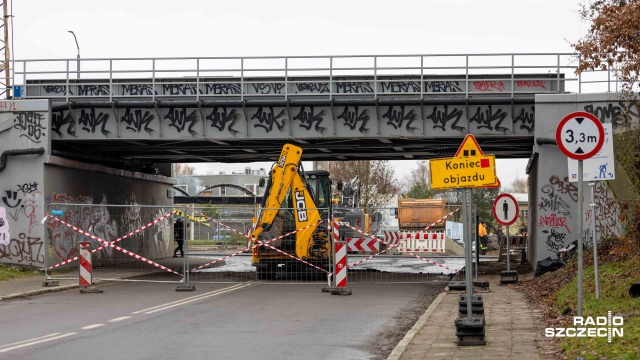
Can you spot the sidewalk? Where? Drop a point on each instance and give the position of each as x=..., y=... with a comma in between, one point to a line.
x=513, y=330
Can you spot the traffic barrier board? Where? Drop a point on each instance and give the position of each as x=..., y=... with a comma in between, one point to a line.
x=463, y=172
x=470, y=168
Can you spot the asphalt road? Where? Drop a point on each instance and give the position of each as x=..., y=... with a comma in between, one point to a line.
x=217, y=321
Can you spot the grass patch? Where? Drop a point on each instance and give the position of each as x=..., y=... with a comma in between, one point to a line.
x=10, y=272
x=615, y=280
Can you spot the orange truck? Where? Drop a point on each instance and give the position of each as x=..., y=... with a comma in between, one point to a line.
x=416, y=214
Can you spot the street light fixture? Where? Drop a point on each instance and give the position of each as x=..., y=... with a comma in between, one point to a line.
x=78, y=57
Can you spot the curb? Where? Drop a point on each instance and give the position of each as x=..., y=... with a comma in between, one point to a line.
x=38, y=292
x=402, y=345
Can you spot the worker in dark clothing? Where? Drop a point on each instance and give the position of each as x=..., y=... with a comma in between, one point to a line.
x=178, y=229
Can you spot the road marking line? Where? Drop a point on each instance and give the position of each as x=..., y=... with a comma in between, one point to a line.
x=196, y=299
x=35, y=341
x=120, y=318
x=193, y=297
x=92, y=326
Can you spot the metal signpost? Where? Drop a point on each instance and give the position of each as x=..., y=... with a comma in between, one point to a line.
x=469, y=168
x=600, y=167
x=505, y=211
x=580, y=135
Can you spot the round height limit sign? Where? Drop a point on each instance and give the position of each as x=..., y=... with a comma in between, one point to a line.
x=580, y=135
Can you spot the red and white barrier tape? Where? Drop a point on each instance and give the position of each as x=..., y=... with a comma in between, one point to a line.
x=295, y=258
x=409, y=237
x=260, y=243
x=112, y=243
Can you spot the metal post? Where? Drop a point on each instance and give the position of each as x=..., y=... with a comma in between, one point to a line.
x=475, y=228
x=78, y=56
x=580, y=234
x=193, y=216
x=185, y=250
x=595, y=238
x=508, y=251
x=467, y=250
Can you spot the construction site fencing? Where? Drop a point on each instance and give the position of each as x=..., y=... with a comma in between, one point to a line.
x=128, y=242
x=137, y=243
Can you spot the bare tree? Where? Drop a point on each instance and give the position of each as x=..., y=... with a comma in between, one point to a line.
x=182, y=169
x=378, y=183
x=416, y=184
x=519, y=186
x=613, y=40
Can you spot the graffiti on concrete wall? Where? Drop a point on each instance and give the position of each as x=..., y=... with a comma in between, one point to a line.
x=607, y=211
x=22, y=203
x=614, y=112
x=162, y=231
x=5, y=236
x=554, y=212
x=94, y=219
x=131, y=220
x=30, y=125
x=23, y=250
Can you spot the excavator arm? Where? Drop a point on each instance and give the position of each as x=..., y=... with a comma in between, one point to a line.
x=285, y=176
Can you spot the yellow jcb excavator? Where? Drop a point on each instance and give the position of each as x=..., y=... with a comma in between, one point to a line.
x=293, y=200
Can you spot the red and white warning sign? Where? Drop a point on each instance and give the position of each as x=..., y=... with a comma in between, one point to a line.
x=341, y=264
x=362, y=244
x=85, y=263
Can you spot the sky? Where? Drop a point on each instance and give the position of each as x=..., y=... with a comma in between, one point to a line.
x=162, y=28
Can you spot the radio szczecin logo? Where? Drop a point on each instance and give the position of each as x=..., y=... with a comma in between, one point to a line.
x=587, y=326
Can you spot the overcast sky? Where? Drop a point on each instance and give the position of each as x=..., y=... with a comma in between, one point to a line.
x=162, y=28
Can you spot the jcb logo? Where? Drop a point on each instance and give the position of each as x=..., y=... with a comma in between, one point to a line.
x=283, y=157
x=301, y=205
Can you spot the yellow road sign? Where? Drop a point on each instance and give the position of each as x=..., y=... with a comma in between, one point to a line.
x=463, y=172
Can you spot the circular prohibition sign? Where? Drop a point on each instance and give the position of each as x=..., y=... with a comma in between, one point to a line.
x=580, y=135
x=505, y=209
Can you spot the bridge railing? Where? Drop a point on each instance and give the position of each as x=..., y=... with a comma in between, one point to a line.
x=312, y=77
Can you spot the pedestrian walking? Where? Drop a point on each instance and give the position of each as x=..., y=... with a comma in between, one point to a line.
x=178, y=229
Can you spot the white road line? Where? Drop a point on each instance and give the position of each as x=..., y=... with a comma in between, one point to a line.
x=186, y=301
x=92, y=326
x=237, y=286
x=120, y=319
x=21, y=344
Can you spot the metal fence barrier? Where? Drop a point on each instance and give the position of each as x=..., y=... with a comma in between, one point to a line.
x=137, y=243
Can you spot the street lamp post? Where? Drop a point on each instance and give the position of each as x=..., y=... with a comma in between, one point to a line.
x=78, y=57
